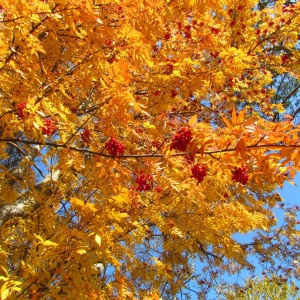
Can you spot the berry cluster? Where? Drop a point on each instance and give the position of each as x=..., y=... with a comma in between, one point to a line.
x=240, y=175
x=181, y=139
x=199, y=172
x=288, y=8
x=20, y=110
x=286, y=58
x=187, y=32
x=145, y=182
x=86, y=135
x=49, y=127
x=114, y=147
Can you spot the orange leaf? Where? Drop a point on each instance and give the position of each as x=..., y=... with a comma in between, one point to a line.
x=242, y=148
x=241, y=116
x=227, y=123
x=193, y=120
x=234, y=116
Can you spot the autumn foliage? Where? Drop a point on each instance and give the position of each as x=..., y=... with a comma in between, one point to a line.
x=137, y=138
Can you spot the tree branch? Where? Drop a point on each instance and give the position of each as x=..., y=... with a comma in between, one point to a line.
x=23, y=207
x=287, y=98
x=95, y=153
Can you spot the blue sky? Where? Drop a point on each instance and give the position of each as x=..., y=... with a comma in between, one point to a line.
x=291, y=195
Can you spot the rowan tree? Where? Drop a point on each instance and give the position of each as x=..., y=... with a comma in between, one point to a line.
x=137, y=138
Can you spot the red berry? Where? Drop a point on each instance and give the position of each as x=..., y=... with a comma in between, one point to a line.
x=188, y=34
x=139, y=130
x=157, y=93
x=158, y=189
x=86, y=136
x=114, y=147
x=240, y=175
x=20, y=110
x=49, y=127
x=215, y=30
x=181, y=139
x=285, y=58
x=214, y=54
x=167, y=36
x=173, y=94
x=199, y=172
x=171, y=224
x=108, y=42
x=145, y=182
x=187, y=28
x=155, y=49
x=169, y=68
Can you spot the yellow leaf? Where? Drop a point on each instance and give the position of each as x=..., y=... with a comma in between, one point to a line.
x=176, y=170
x=49, y=243
x=5, y=271
x=81, y=251
x=35, y=18
x=119, y=199
x=175, y=188
x=119, y=217
x=98, y=239
x=264, y=227
x=5, y=294
x=91, y=207
x=193, y=120
x=76, y=202
x=147, y=125
x=168, y=153
x=39, y=238
x=3, y=278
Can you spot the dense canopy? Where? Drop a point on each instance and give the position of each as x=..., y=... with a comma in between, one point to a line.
x=137, y=138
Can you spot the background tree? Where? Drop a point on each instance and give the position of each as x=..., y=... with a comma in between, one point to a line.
x=285, y=84
x=268, y=287
x=137, y=138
